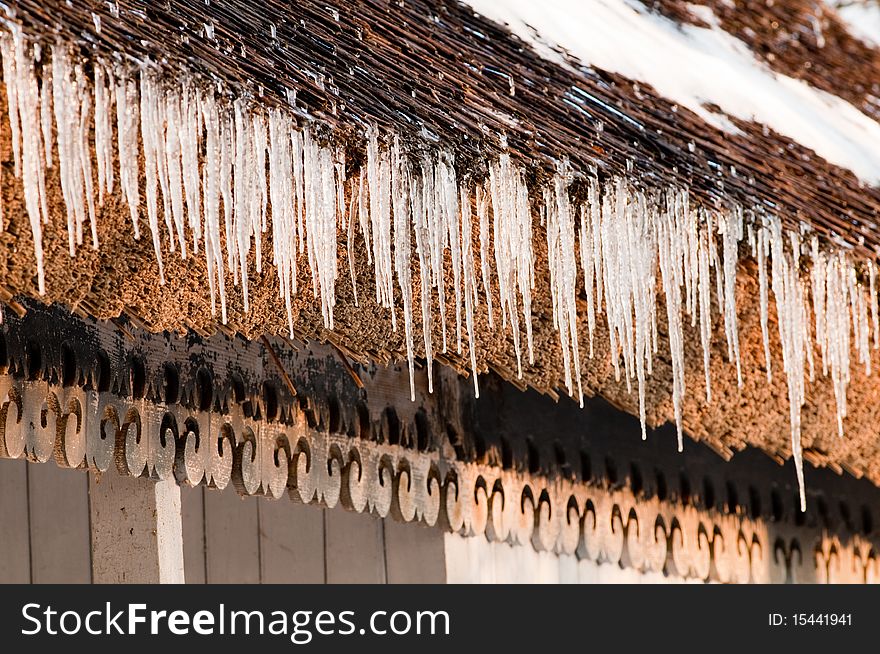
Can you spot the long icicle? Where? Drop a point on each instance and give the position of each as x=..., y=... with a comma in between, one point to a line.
x=223, y=172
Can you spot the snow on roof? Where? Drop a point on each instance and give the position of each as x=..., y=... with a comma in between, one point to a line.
x=695, y=67
x=861, y=17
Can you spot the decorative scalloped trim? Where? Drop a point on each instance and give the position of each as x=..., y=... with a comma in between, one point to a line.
x=98, y=432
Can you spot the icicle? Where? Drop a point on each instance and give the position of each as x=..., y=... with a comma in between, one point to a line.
x=46, y=113
x=190, y=139
x=629, y=260
x=588, y=268
x=671, y=252
x=594, y=203
x=818, y=281
x=226, y=162
x=296, y=140
x=447, y=197
x=562, y=259
x=643, y=252
x=210, y=117
x=704, y=285
x=282, y=198
x=790, y=309
x=872, y=298
x=762, y=250
x=84, y=152
x=469, y=277
x=103, y=132
x=10, y=81
x=246, y=213
x=859, y=313
x=437, y=238
x=151, y=126
x=352, y=211
x=379, y=185
x=258, y=174
x=418, y=200
x=513, y=250
x=33, y=161
x=619, y=331
x=23, y=94
x=173, y=165
x=400, y=200
x=482, y=200
x=692, y=255
x=716, y=264
x=835, y=338
x=127, y=129
x=731, y=228
x=66, y=118
x=320, y=221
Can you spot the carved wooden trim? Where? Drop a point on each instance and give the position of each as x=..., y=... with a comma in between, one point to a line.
x=99, y=431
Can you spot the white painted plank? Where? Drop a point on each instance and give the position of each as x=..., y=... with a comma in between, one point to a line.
x=588, y=572
x=457, y=559
x=477, y=561
x=137, y=531
x=546, y=567
x=568, y=569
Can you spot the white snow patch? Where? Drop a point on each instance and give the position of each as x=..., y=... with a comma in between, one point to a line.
x=861, y=17
x=695, y=66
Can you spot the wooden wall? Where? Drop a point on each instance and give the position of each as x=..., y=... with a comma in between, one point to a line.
x=44, y=537
x=478, y=561
x=44, y=524
x=228, y=539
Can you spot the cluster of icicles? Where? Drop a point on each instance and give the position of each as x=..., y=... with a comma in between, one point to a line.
x=225, y=172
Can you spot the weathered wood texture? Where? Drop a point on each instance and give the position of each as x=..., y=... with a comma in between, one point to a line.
x=414, y=554
x=45, y=520
x=58, y=503
x=288, y=548
x=355, y=548
x=266, y=541
x=15, y=563
x=47, y=506
x=291, y=543
x=136, y=530
x=232, y=539
x=192, y=500
x=249, y=540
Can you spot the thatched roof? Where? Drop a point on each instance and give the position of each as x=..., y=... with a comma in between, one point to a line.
x=449, y=91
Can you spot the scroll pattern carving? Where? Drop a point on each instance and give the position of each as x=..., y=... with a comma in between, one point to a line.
x=99, y=431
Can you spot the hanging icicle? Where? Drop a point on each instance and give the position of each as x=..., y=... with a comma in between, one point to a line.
x=220, y=174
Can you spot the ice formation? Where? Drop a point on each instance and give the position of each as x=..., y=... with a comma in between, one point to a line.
x=562, y=258
x=222, y=175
